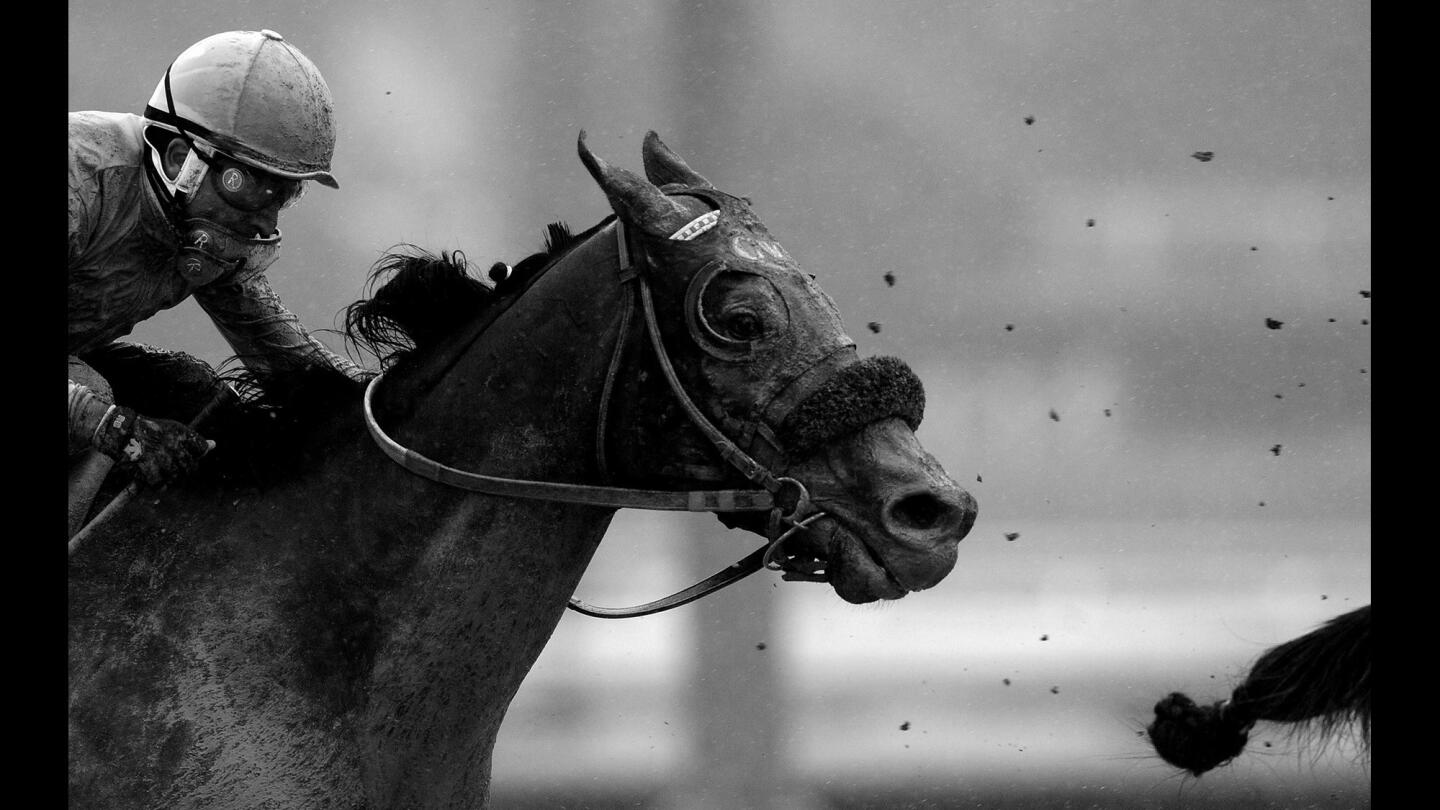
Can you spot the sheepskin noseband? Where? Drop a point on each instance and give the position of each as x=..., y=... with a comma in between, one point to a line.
x=858, y=394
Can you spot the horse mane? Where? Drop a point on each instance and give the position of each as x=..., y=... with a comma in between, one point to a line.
x=1319, y=681
x=416, y=299
x=419, y=298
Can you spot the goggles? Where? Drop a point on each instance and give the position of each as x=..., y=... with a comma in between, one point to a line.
x=248, y=188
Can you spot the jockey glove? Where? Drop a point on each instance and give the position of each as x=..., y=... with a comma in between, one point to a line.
x=157, y=450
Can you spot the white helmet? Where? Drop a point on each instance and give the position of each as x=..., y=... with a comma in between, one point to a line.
x=253, y=97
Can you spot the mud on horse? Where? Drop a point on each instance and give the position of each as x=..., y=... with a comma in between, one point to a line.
x=1319, y=681
x=337, y=611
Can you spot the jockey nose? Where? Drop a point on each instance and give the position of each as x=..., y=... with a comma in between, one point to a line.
x=265, y=222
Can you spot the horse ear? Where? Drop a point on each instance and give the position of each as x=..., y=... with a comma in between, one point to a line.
x=633, y=198
x=663, y=166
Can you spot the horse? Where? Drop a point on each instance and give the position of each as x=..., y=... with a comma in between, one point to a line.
x=337, y=610
x=1318, y=681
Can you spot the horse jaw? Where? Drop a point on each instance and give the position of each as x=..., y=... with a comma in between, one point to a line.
x=894, y=518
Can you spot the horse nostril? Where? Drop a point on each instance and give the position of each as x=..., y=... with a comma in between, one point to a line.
x=920, y=511
x=930, y=516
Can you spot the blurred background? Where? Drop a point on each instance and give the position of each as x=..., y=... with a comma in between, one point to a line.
x=1130, y=245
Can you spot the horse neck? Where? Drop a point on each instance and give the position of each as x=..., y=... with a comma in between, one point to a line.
x=523, y=397
x=520, y=401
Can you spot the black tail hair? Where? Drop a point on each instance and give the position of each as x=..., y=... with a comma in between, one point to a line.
x=1321, y=679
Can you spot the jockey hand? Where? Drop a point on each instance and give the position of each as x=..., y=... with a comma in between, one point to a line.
x=158, y=450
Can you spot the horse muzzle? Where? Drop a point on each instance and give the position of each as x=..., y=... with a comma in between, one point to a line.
x=892, y=520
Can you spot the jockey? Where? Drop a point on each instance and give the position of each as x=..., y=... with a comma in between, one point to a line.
x=183, y=201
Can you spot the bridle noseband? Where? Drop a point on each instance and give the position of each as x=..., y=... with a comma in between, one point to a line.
x=786, y=499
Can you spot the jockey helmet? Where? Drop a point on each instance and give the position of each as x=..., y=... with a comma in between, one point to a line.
x=253, y=97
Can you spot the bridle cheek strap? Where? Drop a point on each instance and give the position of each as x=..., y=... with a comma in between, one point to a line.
x=785, y=499
x=791, y=510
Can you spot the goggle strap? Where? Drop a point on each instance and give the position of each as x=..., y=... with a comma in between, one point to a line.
x=189, y=130
x=192, y=172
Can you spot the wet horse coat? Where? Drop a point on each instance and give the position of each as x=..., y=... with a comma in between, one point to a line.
x=328, y=629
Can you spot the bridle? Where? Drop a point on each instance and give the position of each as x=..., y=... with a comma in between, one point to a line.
x=786, y=499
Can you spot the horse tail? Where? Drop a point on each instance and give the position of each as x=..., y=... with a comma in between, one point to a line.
x=1321, y=678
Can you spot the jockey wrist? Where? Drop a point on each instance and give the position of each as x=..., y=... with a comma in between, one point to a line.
x=114, y=435
x=105, y=425
x=87, y=413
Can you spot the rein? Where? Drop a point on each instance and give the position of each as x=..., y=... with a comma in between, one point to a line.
x=785, y=499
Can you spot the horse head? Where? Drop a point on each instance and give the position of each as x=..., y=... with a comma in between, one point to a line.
x=761, y=347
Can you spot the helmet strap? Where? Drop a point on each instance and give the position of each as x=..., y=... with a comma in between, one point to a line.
x=192, y=170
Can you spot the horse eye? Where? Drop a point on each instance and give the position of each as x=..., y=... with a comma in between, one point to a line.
x=742, y=308
x=742, y=325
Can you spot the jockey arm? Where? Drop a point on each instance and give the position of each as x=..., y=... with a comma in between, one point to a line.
x=260, y=329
